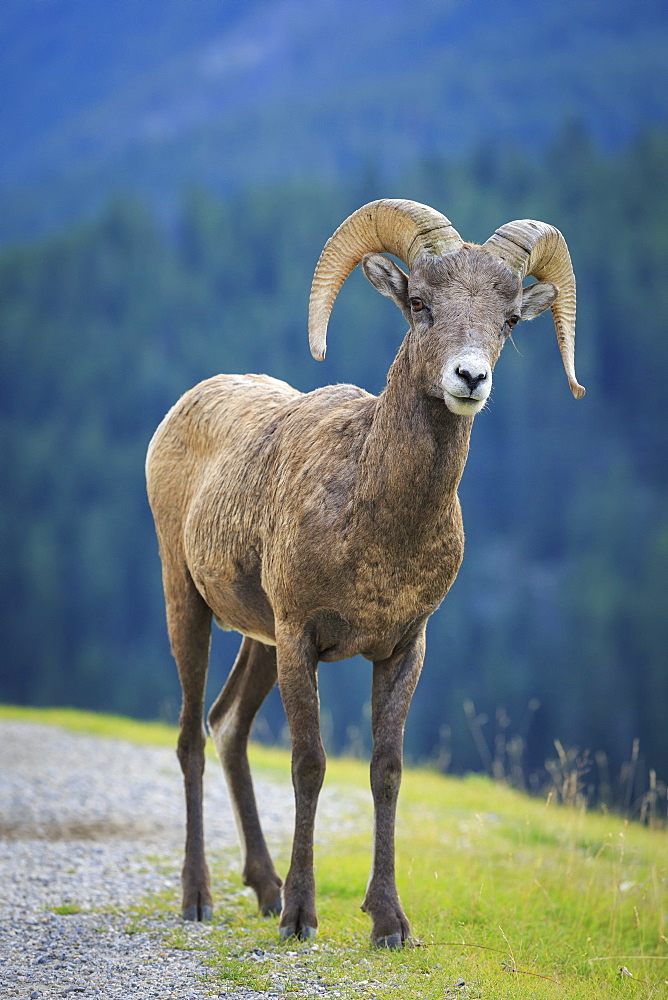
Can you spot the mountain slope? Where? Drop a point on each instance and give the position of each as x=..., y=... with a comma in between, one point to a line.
x=159, y=94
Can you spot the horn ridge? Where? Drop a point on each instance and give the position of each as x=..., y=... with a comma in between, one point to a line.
x=391, y=225
x=538, y=249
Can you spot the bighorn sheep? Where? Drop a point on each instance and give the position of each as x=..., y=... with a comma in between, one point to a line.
x=326, y=524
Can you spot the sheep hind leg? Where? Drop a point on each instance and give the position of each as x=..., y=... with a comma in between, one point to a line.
x=189, y=626
x=230, y=719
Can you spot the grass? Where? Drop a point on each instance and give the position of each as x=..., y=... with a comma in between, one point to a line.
x=509, y=896
x=66, y=909
x=119, y=727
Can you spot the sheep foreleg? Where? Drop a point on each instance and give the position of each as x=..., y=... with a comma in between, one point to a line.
x=394, y=682
x=297, y=678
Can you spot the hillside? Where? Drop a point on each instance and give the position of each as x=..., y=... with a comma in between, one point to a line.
x=561, y=596
x=508, y=896
x=153, y=96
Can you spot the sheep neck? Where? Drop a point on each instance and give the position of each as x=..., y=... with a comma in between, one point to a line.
x=414, y=455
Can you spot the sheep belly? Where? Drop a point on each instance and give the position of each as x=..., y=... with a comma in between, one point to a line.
x=250, y=635
x=239, y=604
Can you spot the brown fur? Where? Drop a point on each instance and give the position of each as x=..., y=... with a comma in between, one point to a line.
x=320, y=526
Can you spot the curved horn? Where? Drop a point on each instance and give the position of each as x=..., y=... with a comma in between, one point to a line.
x=402, y=228
x=535, y=248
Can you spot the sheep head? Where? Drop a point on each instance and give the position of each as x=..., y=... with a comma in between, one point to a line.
x=460, y=300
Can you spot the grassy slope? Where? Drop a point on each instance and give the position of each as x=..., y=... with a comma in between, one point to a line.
x=508, y=896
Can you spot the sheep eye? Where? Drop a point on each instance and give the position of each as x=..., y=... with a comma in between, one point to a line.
x=513, y=321
x=416, y=304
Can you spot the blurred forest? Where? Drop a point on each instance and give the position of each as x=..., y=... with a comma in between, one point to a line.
x=557, y=625
x=238, y=93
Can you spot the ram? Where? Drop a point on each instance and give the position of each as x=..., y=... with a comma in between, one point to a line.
x=327, y=524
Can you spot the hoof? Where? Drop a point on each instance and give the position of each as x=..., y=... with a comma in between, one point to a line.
x=303, y=933
x=198, y=913
x=391, y=941
x=272, y=909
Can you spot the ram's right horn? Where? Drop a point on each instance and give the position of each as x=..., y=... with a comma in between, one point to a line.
x=538, y=249
x=402, y=228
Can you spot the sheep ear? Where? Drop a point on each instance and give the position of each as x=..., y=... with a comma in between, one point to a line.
x=537, y=298
x=387, y=278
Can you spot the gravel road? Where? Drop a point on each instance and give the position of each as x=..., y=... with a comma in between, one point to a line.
x=89, y=829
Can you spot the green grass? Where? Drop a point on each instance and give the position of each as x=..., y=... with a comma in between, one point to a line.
x=118, y=727
x=67, y=909
x=508, y=897
x=106, y=726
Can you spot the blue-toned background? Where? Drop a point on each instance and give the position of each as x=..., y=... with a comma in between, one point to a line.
x=170, y=171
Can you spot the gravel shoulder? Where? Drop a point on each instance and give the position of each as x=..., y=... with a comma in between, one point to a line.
x=90, y=829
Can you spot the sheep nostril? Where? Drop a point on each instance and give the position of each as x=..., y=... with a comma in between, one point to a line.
x=471, y=380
